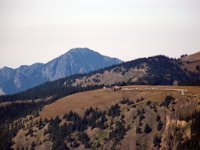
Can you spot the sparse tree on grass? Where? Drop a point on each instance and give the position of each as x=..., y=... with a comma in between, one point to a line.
x=147, y=129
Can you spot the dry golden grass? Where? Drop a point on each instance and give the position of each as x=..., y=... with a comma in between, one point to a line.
x=191, y=61
x=78, y=102
x=193, y=57
x=104, y=98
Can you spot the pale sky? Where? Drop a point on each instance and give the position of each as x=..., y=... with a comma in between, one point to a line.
x=40, y=30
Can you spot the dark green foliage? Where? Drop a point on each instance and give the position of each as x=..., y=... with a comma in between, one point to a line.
x=11, y=112
x=126, y=101
x=197, y=67
x=165, y=66
x=41, y=124
x=30, y=132
x=139, y=100
x=95, y=118
x=147, y=129
x=83, y=137
x=72, y=116
x=15, y=110
x=114, y=111
x=57, y=134
x=33, y=145
x=95, y=80
x=92, y=118
x=117, y=70
x=140, y=112
x=148, y=103
x=159, y=126
x=46, y=120
x=141, y=117
x=190, y=82
x=140, y=123
x=118, y=133
x=184, y=55
x=158, y=118
x=168, y=100
x=157, y=141
x=61, y=134
x=55, y=89
x=74, y=144
x=138, y=130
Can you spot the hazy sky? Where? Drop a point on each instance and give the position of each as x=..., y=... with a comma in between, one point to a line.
x=39, y=30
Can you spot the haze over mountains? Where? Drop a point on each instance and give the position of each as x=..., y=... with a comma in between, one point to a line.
x=77, y=60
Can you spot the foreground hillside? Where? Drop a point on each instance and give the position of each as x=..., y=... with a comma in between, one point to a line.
x=135, y=117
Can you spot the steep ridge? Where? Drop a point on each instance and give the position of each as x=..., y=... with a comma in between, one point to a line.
x=77, y=60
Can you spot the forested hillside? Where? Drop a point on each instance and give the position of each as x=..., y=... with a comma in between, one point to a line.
x=124, y=119
x=158, y=70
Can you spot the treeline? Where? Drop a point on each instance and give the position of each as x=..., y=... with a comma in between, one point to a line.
x=61, y=134
x=56, y=89
x=11, y=119
x=72, y=134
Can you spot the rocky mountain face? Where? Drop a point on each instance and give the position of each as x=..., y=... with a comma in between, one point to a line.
x=75, y=61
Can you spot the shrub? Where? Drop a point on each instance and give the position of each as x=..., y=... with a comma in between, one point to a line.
x=118, y=133
x=114, y=111
x=157, y=141
x=158, y=118
x=160, y=125
x=167, y=101
x=147, y=129
x=148, y=103
x=138, y=130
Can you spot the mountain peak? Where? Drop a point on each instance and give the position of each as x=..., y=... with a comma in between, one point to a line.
x=80, y=50
x=78, y=60
x=6, y=68
x=75, y=61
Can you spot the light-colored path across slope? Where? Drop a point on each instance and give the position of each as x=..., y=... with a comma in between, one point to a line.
x=105, y=98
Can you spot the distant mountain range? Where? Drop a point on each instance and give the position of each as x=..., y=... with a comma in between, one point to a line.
x=156, y=70
x=75, y=61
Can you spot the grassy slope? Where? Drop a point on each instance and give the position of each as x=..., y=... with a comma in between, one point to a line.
x=191, y=61
x=104, y=98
